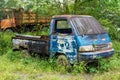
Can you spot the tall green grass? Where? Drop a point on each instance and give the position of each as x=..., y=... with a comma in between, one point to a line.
x=16, y=65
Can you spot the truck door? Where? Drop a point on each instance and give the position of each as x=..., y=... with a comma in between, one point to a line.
x=7, y=20
x=62, y=39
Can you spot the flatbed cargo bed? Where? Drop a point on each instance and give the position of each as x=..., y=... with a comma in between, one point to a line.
x=35, y=44
x=29, y=37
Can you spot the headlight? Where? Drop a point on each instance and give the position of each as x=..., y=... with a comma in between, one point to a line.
x=110, y=45
x=86, y=48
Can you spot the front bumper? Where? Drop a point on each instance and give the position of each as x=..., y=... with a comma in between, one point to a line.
x=90, y=56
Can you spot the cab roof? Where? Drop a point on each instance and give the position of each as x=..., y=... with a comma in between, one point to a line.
x=70, y=16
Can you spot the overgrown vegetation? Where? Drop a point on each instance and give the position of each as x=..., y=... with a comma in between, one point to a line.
x=16, y=65
x=37, y=32
x=114, y=34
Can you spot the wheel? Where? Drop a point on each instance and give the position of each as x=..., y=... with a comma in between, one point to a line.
x=26, y=52
x=8, y=32
x=62, y=60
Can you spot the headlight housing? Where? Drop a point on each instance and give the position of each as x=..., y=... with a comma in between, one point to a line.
x=86, y=48
x=110, y=45
x=97, y=47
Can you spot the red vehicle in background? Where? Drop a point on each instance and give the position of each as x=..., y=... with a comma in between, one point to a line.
x=15, y=19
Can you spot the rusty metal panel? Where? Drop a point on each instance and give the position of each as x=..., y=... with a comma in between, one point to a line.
x=87, y=25
x=38, y=46
x=28, y=37
x=17, y=43
x=35, y=44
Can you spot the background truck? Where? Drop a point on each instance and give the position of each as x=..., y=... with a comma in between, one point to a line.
x=17, y=19
x=71, y=38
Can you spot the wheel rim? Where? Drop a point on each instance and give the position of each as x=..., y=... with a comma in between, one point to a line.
x=62, y=60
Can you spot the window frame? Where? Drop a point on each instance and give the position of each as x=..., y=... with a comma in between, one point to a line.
x=55, y=26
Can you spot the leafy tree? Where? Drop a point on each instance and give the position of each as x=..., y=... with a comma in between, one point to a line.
x=105, y=9
x=2, y=3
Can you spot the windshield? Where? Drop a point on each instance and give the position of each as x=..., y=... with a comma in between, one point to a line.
x=87, y=25
x=3, y=15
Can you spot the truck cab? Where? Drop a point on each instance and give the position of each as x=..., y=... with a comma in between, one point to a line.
x=78, y=38
x=7, y=19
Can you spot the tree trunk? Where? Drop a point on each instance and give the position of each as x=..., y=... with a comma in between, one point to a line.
x=65, y=6
x=75, y=6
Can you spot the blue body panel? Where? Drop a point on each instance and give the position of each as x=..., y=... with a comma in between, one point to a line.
x=64, y=44
x=89, y=56
x=92, y=39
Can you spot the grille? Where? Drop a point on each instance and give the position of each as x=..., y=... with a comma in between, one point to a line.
x=101, y=47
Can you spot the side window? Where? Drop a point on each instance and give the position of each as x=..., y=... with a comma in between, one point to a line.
x=62, y=26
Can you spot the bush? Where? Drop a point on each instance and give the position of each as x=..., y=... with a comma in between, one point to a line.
x=114, y=34
x=79, y=67
x=3, y=46
x=5, y=43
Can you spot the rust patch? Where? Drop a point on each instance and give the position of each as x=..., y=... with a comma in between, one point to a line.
x=69, y=16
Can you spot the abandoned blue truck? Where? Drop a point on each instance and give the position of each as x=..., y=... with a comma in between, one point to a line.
x=71, y=38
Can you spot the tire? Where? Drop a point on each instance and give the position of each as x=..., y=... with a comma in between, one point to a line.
x=26, y=52
x=8, y=32
x=62, y=60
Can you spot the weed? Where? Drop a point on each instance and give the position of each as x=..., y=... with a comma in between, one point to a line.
x=79, y=67
x=3, y=45
x=114, y=34
x=27, y=67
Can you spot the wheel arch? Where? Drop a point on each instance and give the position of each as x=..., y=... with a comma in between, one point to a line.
x=58, y=54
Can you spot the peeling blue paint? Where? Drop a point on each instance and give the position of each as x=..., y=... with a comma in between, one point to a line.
x=64, y=44
x=93, y=39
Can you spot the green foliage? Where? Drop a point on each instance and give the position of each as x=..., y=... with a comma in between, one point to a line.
x=4, y=43
x=44, y=31
x=29, y=67
x=107, y=24
x=103, y=65
x=14, y=56
x=93, y=67
x=2, y=3
x=79, y=68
